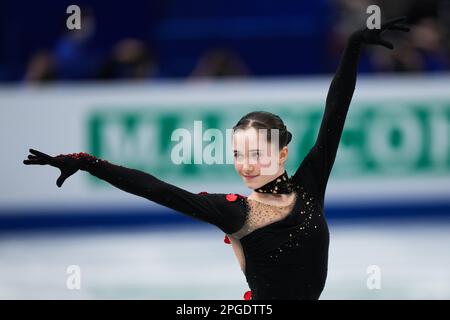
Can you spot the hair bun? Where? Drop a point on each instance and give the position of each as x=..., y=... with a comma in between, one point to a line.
x=288, y=137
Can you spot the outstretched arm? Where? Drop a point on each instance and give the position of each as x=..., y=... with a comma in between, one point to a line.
x=210, y=208
x=317, y=165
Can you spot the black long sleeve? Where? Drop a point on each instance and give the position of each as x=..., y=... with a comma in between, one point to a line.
x=315, y=168
x=211, y=208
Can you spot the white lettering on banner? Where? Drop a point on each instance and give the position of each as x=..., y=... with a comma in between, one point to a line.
x=213, y=153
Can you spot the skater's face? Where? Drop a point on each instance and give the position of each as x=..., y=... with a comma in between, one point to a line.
x=256, y=160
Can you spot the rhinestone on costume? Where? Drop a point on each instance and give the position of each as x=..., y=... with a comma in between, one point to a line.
x=281, y=184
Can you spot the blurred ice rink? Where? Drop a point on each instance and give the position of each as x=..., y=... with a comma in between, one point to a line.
x=195, y=263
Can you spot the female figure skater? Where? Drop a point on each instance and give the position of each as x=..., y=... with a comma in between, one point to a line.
x=279, y=233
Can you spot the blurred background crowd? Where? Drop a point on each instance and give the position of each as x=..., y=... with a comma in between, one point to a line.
x=157, y=39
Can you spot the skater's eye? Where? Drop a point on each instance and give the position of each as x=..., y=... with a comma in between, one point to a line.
x=255, y=154
x=237, y=155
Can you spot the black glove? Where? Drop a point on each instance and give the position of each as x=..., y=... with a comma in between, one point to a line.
x=68, y=164
x=373, y=36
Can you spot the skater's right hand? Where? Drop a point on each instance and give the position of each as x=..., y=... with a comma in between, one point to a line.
x=373, y=36
x=67, y=164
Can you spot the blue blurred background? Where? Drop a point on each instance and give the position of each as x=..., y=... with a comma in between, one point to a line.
x=176, y=39
x=137, y=70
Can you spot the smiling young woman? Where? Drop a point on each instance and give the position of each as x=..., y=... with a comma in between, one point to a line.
x=279, y=232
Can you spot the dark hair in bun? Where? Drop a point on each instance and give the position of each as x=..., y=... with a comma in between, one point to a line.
x=265, y=120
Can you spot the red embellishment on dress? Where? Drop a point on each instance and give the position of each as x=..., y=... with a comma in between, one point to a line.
x=231, y=197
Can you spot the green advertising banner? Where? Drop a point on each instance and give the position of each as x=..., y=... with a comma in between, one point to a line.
x=395, y=145
x=398, y=138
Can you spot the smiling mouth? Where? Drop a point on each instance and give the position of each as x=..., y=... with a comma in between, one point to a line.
x=250, y=177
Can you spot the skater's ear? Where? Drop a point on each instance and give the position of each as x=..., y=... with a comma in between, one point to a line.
x=284, y=152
